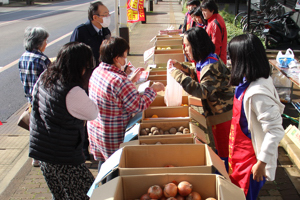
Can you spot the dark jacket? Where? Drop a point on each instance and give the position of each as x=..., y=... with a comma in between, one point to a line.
x=56, y=137
x=212, y=88
x=87, y=34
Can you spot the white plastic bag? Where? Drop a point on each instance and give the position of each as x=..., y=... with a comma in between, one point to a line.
x=173, y=93
x=285, y=59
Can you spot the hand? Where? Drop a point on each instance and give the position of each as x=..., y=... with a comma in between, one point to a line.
x=176, y=64
x=259, y=171
x=158, y=86
x=136, y=74
x=128, y=69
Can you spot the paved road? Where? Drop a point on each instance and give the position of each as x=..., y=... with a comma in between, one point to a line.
x=59, y=19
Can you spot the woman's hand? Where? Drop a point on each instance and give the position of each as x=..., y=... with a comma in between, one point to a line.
x=128, y=70
x=176, y=64
x=158, y=86
x=259, y=171
x=136, y=74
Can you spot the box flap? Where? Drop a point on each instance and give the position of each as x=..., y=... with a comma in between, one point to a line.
x=217, y=162
x=132, y=133
x=195, y=101
x=229, y=191
x=134, y=120
x=108, y=190
x=198, y=117
x=199, y=134
x=130, y=143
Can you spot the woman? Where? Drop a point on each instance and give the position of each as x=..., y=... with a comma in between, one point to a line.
x=117, y=99
x=216, y=27
x=188, y=21
x=198, y=17
x=210, y=83
x=33, y=62
x=256, y=123
x=60, y=107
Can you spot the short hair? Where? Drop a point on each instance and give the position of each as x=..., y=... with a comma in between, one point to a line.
x=72, y=59
x=34, y=38
x=93, y=9
x=248, y=58
x=201, y=43
x=193, y=2
x=210, y=5
x=112, y=48
x=198, y=12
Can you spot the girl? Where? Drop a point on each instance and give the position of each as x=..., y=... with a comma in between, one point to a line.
x=256, y=127
x=198, y=17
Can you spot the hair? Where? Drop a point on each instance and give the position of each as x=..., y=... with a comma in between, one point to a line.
x=201, y=43
x=112, y=48
x=93, y=9
x=72, y=59
x=198, y=12
x=210, y=5
x=193, y=2
x=34, y=38
x=248, y=59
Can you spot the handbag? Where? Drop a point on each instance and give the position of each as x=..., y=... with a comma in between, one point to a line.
x=24, y=119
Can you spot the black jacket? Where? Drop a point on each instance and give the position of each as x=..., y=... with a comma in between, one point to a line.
x=87, y=34
x=56, y=137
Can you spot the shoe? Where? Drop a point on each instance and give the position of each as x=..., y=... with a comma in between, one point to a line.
x=35, y=163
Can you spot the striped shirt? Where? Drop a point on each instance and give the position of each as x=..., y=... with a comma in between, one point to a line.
x=31, y=66
x=117, y=99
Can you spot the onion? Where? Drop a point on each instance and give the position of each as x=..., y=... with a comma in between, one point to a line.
x=171, y=198
x=210, y=198
x=155, y=192
x=170, y=190
x=193, y=196
x=145, y=197
x=184, y=188
x=178, y=197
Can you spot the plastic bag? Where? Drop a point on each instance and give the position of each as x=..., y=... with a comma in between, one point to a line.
x=173, y=93
x=283, y=85
x=285, y=59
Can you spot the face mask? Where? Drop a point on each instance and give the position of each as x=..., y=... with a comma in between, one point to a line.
x=106, y=22
x=123, y=66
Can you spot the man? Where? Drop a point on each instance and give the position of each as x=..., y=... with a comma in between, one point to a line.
x=92, y=33
x=95, y=30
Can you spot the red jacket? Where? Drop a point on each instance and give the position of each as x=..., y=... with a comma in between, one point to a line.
x=216, y=29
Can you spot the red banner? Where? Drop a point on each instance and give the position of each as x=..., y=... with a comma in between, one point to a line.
x=135, y=11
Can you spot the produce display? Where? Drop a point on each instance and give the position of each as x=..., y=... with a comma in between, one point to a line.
x=163, y=48
x=156, y=131
x=173, y=191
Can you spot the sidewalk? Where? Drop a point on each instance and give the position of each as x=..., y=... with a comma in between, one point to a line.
x=19, y=180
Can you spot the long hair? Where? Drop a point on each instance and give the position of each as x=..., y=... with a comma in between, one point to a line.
x=72, y=60
x=201, y=43
x=248, y=58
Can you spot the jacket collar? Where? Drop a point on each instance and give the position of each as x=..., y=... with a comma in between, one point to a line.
x=91, y=28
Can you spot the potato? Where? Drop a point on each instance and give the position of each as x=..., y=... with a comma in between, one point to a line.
x=153, y=129
x=150, y=134
x=173, y=130
x=156, y=132
x=166, y=133
x=186, y=131
x=180, y=129
x=147, y=130
x=158, y=143
x=161, y=132
x=143, y=132
x=178, y=133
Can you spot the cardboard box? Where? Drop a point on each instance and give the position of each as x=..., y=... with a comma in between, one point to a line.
x=198, y=117
x=162, y=37
x=133, y=187
x=157, y=77
x=168, y=51
x=161, y=141
x=160, y=101
x=162, y=81
x=179, y=113
x=168, y=42
x=157, y=72
x=163, y=58
x=164, y=47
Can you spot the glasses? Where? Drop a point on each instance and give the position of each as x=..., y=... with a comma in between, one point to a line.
x=104, y=15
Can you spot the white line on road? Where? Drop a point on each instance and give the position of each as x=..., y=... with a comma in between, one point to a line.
x=16, y=61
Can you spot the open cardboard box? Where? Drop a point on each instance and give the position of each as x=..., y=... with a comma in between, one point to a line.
x=157, y=72
x=160, y=141
x=162, y=81
x=168, y=42
x=161, y=37
x=160, y=101
x=133, y=187
x=178, y=113
x=163, y=58
x=157, y=77
x=168, y=51
x=164, y=47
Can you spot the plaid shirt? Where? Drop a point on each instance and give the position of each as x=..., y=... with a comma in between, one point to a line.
x=31, y=65
x=117, y=99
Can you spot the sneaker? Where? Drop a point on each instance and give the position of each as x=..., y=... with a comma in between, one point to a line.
x=35, y=163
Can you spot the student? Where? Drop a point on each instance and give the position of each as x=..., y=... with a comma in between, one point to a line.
x=188, y=21
x=198, y=17
x=256, y=127
x=216, y=27
x=210, y=82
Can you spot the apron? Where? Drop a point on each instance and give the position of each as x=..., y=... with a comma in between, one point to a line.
x=241, y=153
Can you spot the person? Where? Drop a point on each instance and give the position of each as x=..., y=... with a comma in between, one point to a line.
x=198, y=17
x=95, y=30
x=117, y=99
x=33, y=62
x=188, y=21
x=256, y=127
x=92, y=33
x=210, y=83
x=216, y=28
x=60, y=106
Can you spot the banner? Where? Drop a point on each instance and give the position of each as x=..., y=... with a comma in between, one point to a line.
x=135, y=11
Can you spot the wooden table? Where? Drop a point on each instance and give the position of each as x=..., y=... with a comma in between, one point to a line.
x=291, y=73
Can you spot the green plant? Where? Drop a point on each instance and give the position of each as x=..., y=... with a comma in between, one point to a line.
x=184, y=10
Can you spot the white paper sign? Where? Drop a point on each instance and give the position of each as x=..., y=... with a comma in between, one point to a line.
x=148, y=54
x=143, y=86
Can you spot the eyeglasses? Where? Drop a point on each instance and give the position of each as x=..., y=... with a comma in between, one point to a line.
x=104, y=15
